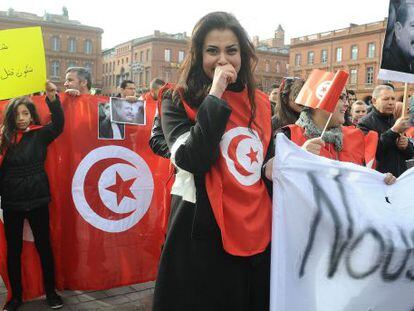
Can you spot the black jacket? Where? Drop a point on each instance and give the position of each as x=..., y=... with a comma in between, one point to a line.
x=389, y=157
x=24, y=184
x=157, y=141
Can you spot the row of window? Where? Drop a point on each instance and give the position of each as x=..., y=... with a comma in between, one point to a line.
x=369, y=77
x=114, y=80
x=338, y=53
x=141, y=56
x=55, y=43
x=278, y=66
x=109, y=67
x=55, y=67
x=167, y=55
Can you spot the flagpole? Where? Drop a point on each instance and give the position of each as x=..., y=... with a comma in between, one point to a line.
x=404, y=107
x=326, y=125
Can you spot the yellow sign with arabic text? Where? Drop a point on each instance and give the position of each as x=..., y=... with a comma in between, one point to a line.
x=22, y=62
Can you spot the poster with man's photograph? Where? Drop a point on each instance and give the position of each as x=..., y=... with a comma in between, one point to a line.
x=126, y=112
x=106, y=128
x=398, y=50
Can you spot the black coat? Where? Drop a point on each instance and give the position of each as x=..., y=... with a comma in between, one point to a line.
x=389, y=157
x=24, y=184
x=157, y=141
x=195, y=273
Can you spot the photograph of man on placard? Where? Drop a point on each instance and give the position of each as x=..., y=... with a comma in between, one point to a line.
x=106, y=128
x=398, y=51
x=123, y=111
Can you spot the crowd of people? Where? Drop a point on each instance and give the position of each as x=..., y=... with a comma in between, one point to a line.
x=216, y=254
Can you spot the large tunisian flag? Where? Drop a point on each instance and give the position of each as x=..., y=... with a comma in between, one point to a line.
x=106, y=204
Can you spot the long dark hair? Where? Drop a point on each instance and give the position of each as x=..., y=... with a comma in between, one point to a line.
x=284, y=114
x=8, y=126
x=193, y=80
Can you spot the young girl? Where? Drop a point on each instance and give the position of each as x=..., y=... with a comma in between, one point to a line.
x=218, y=128
x=24, y=188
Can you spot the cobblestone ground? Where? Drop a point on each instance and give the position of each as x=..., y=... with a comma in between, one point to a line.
x=132, y=297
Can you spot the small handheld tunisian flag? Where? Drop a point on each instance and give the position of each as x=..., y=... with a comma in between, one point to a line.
x=322, y=89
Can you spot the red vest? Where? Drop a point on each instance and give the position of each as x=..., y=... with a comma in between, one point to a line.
x=357, y=147
x=237, y=194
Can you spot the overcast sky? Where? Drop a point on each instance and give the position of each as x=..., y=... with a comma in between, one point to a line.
x=127, y=19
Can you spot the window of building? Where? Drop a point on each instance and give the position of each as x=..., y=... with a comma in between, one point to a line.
x=339, y=55
x=72, y=45
x=181, y=56
x=55, y=43
x=167, y=76
x=55, y=69
x=369, y=79
x=277, y=67
x=88, y=46
x=371, y=50
x=122, y=61
x=71, y=64
x=148, y=55
x=135, y=56
x=110, y=80
x=298, y=59
x=353, y=76
x=127, y=60
x=141, y=78
x=324, y=56
x=141, y=56
x=147, y=77
x=267, y=66
x=311, y=57
x=167, y=55
x=354, y=52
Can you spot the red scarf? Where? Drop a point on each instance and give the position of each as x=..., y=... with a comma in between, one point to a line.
x=19, y=136
x=236, y=191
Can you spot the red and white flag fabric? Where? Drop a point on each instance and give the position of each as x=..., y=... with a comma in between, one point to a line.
x=322, y=89
x=106, y=207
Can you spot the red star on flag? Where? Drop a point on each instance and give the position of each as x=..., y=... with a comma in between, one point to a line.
x=252, y=155
x=122, y=188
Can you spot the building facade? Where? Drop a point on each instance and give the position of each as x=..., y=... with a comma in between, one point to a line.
x=155, y=56
x=161, y=54
x=273, y=60
x=67, y=43
x=356, y=49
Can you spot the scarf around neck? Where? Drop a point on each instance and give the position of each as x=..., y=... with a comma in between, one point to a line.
x=332, y=135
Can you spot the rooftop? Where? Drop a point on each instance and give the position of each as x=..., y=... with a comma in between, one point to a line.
x=47, y=18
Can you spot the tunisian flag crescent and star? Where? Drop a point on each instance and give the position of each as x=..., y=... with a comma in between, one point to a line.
x=106, y=209
x=322, y=90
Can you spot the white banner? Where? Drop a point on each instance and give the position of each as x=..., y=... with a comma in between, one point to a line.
x=342, y=239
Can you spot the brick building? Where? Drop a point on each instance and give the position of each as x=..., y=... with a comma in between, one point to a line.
x=356, y=49
x=142, y=59
x=160, y=55
x=67, y=42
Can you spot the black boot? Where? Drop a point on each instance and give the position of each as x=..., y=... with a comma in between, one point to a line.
x=54, y=300
x=12, y=305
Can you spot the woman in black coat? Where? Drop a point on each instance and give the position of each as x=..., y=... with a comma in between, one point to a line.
x=24, y=188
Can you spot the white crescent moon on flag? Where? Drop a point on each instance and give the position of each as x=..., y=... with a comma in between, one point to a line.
x=243, y=153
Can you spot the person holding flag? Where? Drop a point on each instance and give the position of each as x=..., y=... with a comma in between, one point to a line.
x=320, y=129
x=217, y=126
x=24, y=188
